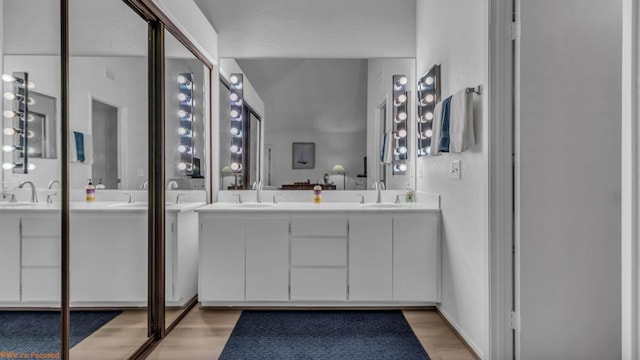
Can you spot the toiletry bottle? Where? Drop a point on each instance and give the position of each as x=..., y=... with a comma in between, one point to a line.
x=91, y=191
x=317, y=194
x=410, y=195
x=100, y=185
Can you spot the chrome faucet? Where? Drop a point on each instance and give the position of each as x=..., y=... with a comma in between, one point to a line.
x=379, y=186
x=131, y=201
x=144, y=185
x=361, y=198
x=172, y=185
x=239, y=199
x=179, y=198
x=53, y=182
x=257, y=186
x=34, y=193
x=50, y=197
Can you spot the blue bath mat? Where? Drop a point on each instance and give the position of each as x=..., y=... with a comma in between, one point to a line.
x=27, y=332
x=331, y=335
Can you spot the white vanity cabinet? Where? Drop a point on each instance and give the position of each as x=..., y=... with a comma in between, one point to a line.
x=370, y=257
x=10, y=262
x=181, y=257
x=40, y=259
x=244, y=259
x=317, y=257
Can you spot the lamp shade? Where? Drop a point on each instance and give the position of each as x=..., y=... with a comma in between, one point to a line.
x=226, y=170
x=338, y=169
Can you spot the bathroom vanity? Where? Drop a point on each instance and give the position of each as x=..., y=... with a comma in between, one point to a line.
x=107, y=242
x=328, y=254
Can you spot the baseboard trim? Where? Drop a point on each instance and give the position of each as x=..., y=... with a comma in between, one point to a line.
x=460, y=334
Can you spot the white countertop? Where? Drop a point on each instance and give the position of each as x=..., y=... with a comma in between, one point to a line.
x=309, y=207
x=97, y=206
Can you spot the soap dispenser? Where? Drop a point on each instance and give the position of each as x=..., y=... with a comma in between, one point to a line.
x=100, y=185
x=90, y=191
x=410, y=195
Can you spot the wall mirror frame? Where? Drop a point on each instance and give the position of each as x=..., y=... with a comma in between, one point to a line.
x=157, y=23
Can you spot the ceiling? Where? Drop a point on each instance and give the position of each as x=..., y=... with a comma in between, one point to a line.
x=313, y=28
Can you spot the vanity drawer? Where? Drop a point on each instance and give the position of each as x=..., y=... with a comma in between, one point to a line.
x=319, y=252
x=41, y=226
x=318, y=226
x=319, y=284
x=41, y=251
x=41, y=285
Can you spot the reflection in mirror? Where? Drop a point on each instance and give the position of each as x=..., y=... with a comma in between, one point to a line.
x=250, y=148
x=340, y=106
x=108, y=153
x=30, y=242
x=187, y=83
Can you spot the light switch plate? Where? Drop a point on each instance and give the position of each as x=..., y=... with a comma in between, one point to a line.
x=455, y=170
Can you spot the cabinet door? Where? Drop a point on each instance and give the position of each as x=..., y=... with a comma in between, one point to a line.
x=10, y=263
x=267, y=241
x=416, y=250
x=370, y=267
x=222, y=259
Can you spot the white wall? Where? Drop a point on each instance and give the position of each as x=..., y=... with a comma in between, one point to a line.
x=569, y=179
x=128, y=92
x=379, y=90
x=454, y=34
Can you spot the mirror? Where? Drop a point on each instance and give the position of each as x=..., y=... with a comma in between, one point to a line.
x=108, y=138
x=322, y=121
x=30, y=269
x=187, y=84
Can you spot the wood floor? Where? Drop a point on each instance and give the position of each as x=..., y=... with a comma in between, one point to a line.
x=202, y=334
x=119, y=338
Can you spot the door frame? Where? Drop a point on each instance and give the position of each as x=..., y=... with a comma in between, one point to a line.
x=630, y=269
x=122, y=147
x=502, y=92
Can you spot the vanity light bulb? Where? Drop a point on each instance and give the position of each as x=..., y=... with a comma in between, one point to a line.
x=402, y=133
x=401, y=117
x=183, y=148
x=183, y=97
x=400, y=100
x=429, y=133
x=31, y=166
x=8, y=165
x=8, y=148
x=235, y=149
x=234, y=131
x=9, y=96
x=31, y=85
x=182, y=113
x=401, y=167
x=182, y=166
x=10, y=131
x=402, y=81
x=428, y=116
x=429, y=80
x=182, y=131
x=31, y=150
x=183, y=80
x=8, y=78
x=402, y=150
x=10, y=114
x=234, y=97
x=30, y=134
x=31, y=101
x=236, y=166
x=234, y=80
x=234, y=113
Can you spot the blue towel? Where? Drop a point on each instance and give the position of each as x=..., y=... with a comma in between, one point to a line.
x=443, y=145
x=79, y=137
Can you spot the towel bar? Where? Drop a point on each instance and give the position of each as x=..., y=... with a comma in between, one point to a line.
x=477, y=90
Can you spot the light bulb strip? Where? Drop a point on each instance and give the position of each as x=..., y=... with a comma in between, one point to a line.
x=400, y=116
x=18, y=127
x=428, y=95
x=185, y=114
x=237, y=122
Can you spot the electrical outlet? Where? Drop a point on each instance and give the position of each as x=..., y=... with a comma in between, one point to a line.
x=455, y=170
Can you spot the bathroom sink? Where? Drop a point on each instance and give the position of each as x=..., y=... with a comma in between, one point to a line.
x=253, y=205
x=16, y=204
x=385, y=206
